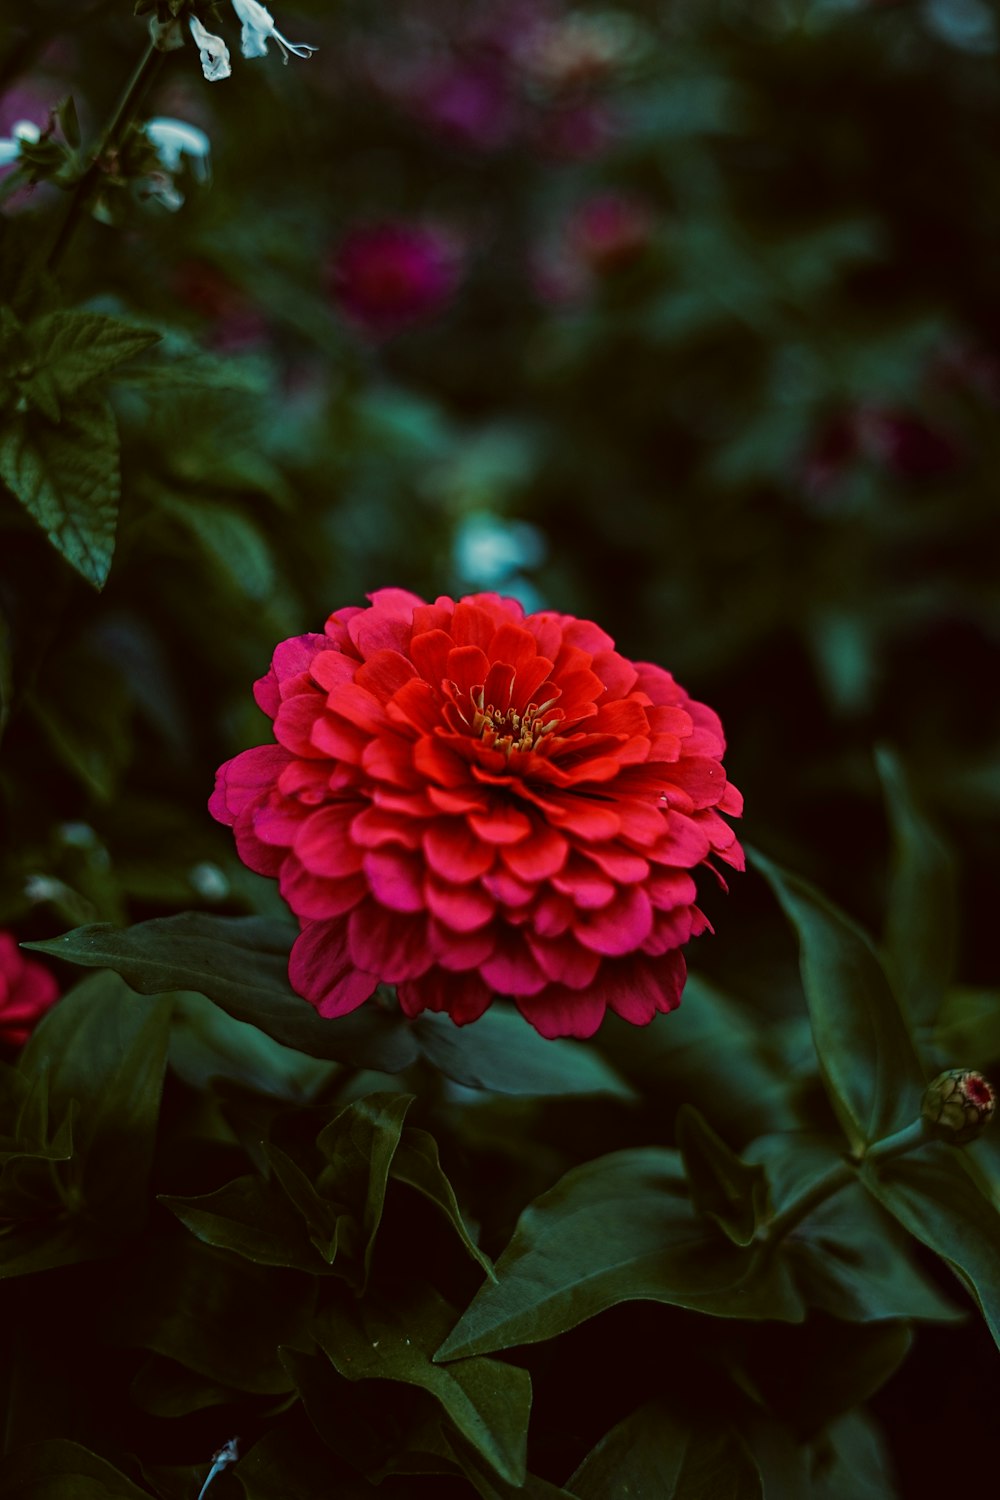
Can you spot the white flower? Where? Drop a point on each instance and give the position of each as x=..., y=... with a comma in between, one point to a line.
x=213, y=51
x=258, y=28
x=173, y=140
x=10, y=150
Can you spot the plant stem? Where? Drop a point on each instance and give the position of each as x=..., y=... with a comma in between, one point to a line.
x=840, y=1176
x=909, y=1139
x=120, y=121
x=793, y=1213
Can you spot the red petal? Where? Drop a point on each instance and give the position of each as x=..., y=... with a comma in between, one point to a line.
x=320, y=970
x=620, y=927
x=454, y=852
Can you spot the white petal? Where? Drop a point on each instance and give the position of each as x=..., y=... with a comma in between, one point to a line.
x=213, y=52
x=9, y=152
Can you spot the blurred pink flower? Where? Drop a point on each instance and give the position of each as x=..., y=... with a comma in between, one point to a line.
x=27, y=990
x=609, y=230
x=388, y=276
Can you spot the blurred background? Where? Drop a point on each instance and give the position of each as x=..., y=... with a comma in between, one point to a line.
x=683, y=316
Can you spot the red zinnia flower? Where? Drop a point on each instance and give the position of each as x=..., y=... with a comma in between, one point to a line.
x=466, y=801
x=27, y=989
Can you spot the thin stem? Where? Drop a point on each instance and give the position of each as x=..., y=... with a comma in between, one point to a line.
x=910, y=1139
x=121, y=119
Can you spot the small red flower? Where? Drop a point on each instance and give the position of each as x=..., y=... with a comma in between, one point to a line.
x=27, y=989
x=388, y=276
x=465, y=800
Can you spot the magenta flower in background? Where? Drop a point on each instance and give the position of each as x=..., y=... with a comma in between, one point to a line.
x=27, y=989
x=388, y=276
x=608, y=231
x=465, y=800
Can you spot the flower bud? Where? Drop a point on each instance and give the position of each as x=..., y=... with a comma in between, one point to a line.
x=959, y=1105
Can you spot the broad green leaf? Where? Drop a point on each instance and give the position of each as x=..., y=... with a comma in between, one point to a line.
x=502, y=1053
x=617, y=1229
x=242, y=964
x=825, y=1369
x=847, y=1460
x=78, y=348
x=935, y=1199
x=251, y=1218
x=866, y=1054
x=416, y=1163
x=731, y=1192
x=207, y=1044
x=163, y=1388
x=66, y=476
x=105, y=1050
x=845, y=1256
x=655, y=1452
x=61, y=1470
x=851, y=1459
x=488, y=1401
x=212, y=1312
x=714, y=1055
x=923, y=900
x=487, y=1482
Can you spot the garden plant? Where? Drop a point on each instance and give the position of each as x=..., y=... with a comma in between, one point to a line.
x=499, y=634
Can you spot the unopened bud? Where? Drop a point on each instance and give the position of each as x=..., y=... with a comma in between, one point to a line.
x=959, y=1105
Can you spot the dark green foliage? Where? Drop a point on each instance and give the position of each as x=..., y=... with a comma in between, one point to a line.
x=399, y=1258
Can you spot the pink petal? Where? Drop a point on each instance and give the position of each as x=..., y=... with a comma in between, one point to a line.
x=558, y=1012
x=321, y=971
x=454, y=852
x=619, y=927
x=461, y=907
x=395, y=879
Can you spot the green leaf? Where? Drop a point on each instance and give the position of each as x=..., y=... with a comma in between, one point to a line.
x=851, y=1460
x=213, y=1312
x=653, y=1452
x=252, y=1219
x=845, y=1256
x=163, y=1388
x=617, y=1229
x=416, y=1163
x=66, y=476
x=923, y=900
x=825, y=1369
x=934, y=1198
x=487, y=1401
x=241, y=963
x=359, y=1144
x=290, y=1460
x=866, y=1054
x=502, y=1053
x=105, y=1051
x=731, y=1192
x=78, y=348
x=61, y=1470
x=207, y=1044
x=715, y=1056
